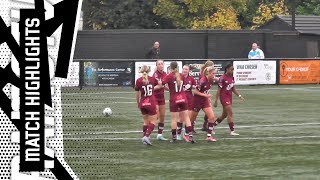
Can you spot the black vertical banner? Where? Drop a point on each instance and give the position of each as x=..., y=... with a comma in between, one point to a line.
x=34, y=80
x=33, y=72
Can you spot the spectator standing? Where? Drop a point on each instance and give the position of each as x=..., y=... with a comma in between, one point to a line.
x=255, y=52
x=154, y=52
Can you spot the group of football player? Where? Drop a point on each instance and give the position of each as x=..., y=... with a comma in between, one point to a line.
x=187, y=98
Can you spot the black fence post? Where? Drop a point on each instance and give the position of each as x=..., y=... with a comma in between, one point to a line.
x=207, y=45
x=81, y=74
x=264, y=44
x=133, y=74
x=277, y=71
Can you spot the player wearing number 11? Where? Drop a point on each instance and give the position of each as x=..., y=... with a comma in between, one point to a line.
x=178, y=102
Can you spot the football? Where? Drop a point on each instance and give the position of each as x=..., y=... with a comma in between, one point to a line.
x=107, y=111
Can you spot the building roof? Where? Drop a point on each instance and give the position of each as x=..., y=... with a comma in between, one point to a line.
x=304, y=24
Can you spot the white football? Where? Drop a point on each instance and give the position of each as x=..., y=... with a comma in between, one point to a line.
x=107, y=111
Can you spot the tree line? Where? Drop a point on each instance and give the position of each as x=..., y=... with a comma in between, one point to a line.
x=189, y=14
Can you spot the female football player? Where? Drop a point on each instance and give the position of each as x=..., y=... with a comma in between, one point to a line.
x=146, y=103
x=202, y=99
x=178, y=102
x=189, y=83
x=159, y=75
x=208, y=63
x=226, y=87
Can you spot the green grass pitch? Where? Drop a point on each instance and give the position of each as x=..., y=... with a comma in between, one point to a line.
x=279, y=129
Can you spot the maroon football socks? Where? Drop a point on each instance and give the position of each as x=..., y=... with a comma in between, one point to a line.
x=217, y=122
x=174, y=133
x=145, y=127
x=231, y=126
x=179, y=127
x=149, y=130
x=160, y=128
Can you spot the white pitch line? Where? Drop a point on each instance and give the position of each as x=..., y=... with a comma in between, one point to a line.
x=299, y=89
x=296, y=88
x=238, y=127
x=126, y=92
x=245, y=89
x=235, y=138
x=104, y=97
x=98, y=103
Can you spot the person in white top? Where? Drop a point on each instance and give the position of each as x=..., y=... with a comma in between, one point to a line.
x=255, y=53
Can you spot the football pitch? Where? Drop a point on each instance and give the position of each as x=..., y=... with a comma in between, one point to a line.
x=279, y=129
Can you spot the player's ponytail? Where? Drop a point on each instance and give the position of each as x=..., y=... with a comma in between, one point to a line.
x=207, y=64
x=174, y=68
x=145, y=71
x=177, y=75
x=205, y=72
x=227, y=67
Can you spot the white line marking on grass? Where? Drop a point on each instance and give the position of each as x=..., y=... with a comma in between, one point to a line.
x=244, y=89
x=237, y=127
x=280, y=88
x=235, y=138
x=104, y=97
x=98, y=103
x=125, y=92
x=299, y=89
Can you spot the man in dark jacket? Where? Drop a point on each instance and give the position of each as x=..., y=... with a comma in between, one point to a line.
x=154, y=52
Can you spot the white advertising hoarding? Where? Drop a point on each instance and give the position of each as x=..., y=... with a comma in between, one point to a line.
x=152, y=66
x=255, y=72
